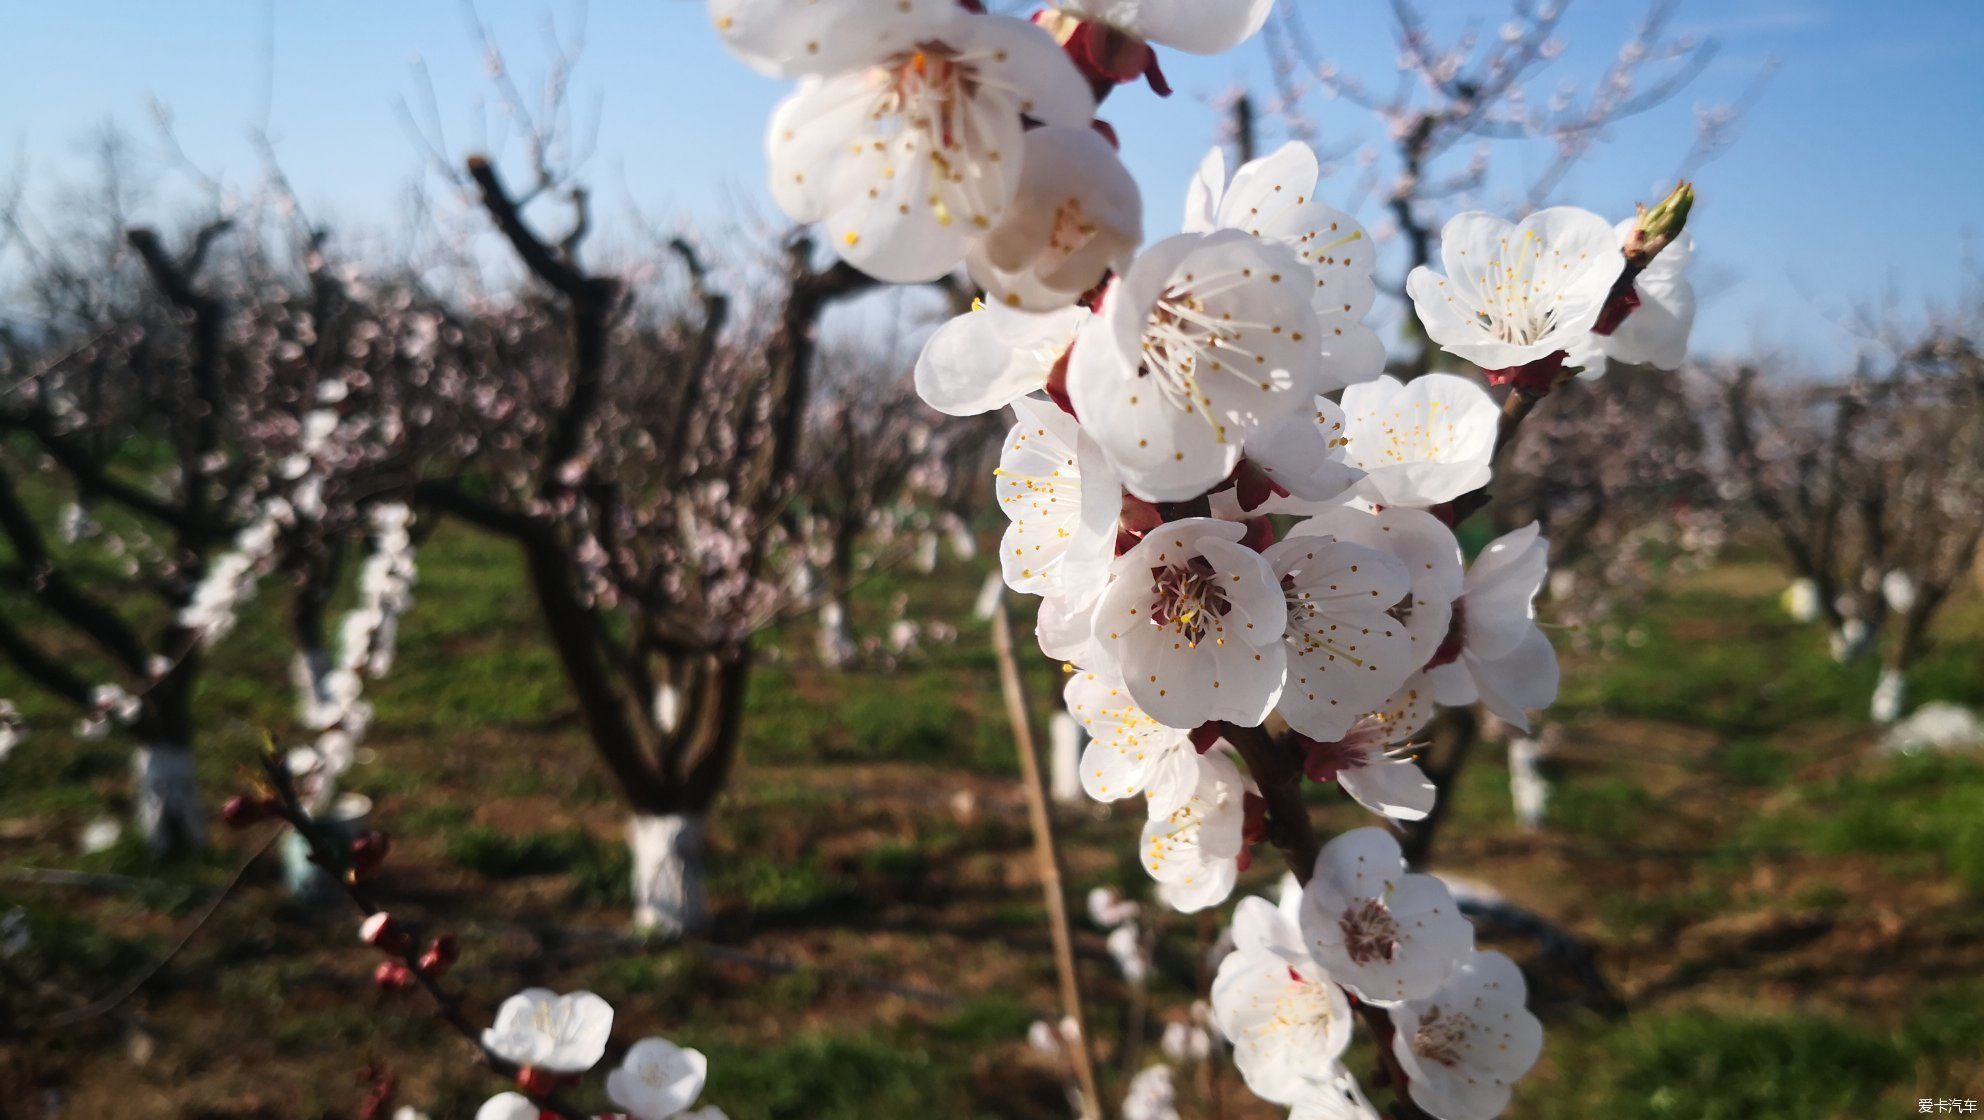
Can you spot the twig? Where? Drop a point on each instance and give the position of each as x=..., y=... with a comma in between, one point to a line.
x=130, y=987
x=1047, y=855
x=447, y=1008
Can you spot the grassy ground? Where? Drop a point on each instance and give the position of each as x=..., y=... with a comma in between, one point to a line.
x=1794, y=922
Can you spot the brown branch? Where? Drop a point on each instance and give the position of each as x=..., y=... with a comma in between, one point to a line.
x=1047, y=858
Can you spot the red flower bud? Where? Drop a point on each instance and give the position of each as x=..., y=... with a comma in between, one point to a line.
x=240, y=811
x=368, y=851
x=392, y=976
x=440, y=956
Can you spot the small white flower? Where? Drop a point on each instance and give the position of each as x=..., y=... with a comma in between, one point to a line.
x=1369, y=765
x=1193, y=851
x=1656, y=332
x=1494, y=651
x=657, y=1080
x=915, y=150
x=544, y=1030
x=990, y=357
x=1109, y=909
x=508, y=1106
x=1129, y=752
x=1192, y=26
x=1347, y=654
x=1464, y=1045
x=1202, y=342
x=1076, y=216
x=1515, y=294
x=1274, y=197
x=1386, y=934
x=1151, y=1095
x=1281, y=1011
x=1194, y=619
x=1305, y=454
x=1421, y=442
x=1062, y=498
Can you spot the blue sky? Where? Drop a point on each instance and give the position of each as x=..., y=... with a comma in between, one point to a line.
x=1854, y=177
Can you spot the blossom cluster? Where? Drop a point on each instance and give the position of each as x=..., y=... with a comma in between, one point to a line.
x=553, y=1039
x=1234, y=519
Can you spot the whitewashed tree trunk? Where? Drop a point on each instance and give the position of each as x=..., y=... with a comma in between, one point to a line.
x=1848, y=642
x=668, y=873
x=310, y=672
x=168, y=796
x=1528, y=789
x=836, y=647
x=989, y=594
x=1890, y=696
x=1065, y=767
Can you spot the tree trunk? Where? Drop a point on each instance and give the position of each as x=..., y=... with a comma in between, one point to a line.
x=168, y=799
x=668, y=873
x=1890, y=696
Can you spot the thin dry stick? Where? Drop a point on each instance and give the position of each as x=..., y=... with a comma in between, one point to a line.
x=1047, y=855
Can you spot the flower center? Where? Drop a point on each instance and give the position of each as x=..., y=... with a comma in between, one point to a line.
x=1441, y=1037
x=1184, y=339
x=1517, y=303
x=1370, y=933
x=1187, y=599
x=932, y=108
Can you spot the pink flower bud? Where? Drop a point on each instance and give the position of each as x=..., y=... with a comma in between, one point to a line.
x=392, y=976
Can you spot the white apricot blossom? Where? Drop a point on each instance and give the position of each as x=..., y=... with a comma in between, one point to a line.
x=1426, y=547
x=1076, y=217
x=1494, y=651
x=1193, y=851
x=991, y=356
x=658, y=1080
x=1279, y=1009
x=1655, y=333
x=1062, y=498
x=1151, y=1095
x=1382, y=932
x=1305, y=454
x=1347, y=654
x=1464, y=1045
x=1192, y=26
x=915, y=149
x=1129, y=752
x=1205, y=339
x=1515, y=293
x=540, y=1029
x=1420, y=442
x=1274, y=197
x=1193, y=619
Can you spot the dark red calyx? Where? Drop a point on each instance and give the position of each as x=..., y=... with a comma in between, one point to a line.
x=1535, y=378
x=1450, y=647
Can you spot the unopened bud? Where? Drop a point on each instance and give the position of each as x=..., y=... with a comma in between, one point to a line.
x=1659, y=226
x=539, y=1083
x=440, y=956
x=381, y=932
x=392, y=976
x=368, y=851
x=240, y=811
